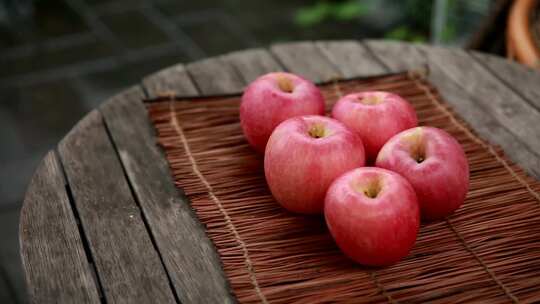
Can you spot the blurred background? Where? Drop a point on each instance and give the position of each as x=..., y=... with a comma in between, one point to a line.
x=60, y=58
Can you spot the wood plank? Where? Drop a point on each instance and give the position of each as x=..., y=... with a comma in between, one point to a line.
x=173, y=79
x=214, y=76
x=127, y=263
x=54, y=261
x=399, y=56
x=188, y=254
x=396, y=56
x=253, y=63
x=351, y=58
x=305, y=59
x=507, y=107
x=489, y=128
x=521, y=78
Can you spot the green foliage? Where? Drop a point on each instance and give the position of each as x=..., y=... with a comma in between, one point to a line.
x=309, y=16
x=399, y=33
x=403, y=32
x=449, y=32
x=350, y=10
x=325, y=10
x=414, y=24
x=416, y=12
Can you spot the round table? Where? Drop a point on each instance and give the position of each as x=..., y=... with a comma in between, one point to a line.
x=103, y=221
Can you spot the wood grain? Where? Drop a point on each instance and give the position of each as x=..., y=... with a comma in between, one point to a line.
x=351, y=58
x=173, y=79
x=208, y=153
x=487, y=126
x=127, y=262
x=398, y=56
x=521, y=78
x=163, y=254
x=507, y=107
x=189, y=256
x=54, y=261
x=215, y=76
x=305, y=59
x=253, y=63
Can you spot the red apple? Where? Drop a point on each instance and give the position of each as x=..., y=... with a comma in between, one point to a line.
x=273, y=98
x=304, y=155
x=376, y=116
x=435, y=165
x=373, y=215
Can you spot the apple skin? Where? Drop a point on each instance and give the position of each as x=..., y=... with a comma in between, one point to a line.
x=440, y=179
x=376, y=231
x=299, y=168
x=266, y=103
x=376, y=116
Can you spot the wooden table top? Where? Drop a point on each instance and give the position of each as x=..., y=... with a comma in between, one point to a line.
x=103, y=222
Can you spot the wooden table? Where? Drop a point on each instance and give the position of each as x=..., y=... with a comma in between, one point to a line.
x=103, y=221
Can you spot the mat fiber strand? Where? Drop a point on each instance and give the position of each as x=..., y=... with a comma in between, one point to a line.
x=489, y=250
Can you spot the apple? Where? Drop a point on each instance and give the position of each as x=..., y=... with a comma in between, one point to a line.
x=273, y=98
x=376, y=116
x=373, y=215
x=435, y=165
x=304, y=155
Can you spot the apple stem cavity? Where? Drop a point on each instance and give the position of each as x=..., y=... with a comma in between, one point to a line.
x=416, y=145
x=373, y=188
x=370, y=100
x=418, y=152
x=318, y=131
x=370, y=188
x=285, y=84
